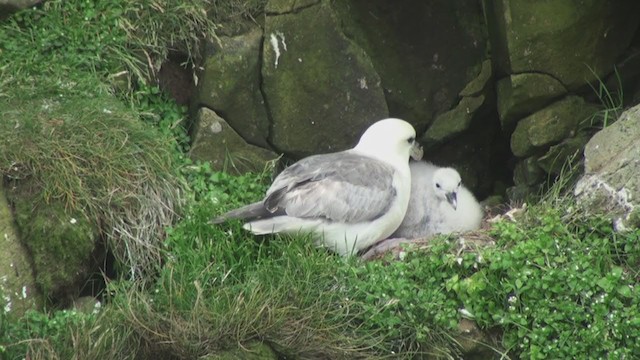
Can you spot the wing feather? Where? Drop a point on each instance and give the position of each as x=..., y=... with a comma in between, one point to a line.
x=345, y=186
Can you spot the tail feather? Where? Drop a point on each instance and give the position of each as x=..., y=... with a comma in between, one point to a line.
x=279, y=224
x=250, y=212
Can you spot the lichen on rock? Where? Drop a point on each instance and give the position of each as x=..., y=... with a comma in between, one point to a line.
x=611, y=183
x=321, y=88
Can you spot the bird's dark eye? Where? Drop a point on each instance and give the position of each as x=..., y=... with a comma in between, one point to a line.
x=411, y=140
x=459, y=183
x=438, y=185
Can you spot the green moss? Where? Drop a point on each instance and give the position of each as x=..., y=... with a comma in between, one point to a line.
x=323, y=78
x=60, y=242
x=92, y=159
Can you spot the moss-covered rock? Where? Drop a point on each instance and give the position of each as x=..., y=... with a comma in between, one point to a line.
x=564, y=38
x=453, y=122
x=479, y=85
x=474, y=342
x=61, y=242
x=426, y=52
x=322, y=89
x=18, y=290
x=550, y=125
x=520, y=95
x=230, y=85
x=217, y=142
x=611, y=183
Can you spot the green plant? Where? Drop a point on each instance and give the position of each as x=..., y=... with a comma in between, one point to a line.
x=411, y=302
x=223, y=287
x=66, y=334
x=612, y=102
x=559, y=287
x=158, y=110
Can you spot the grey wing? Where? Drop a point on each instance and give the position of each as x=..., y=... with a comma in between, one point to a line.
x=345, y=187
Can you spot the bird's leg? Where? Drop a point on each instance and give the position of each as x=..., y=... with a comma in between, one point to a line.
x=383, y=246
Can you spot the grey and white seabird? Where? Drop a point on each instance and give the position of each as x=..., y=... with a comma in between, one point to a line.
x=347, y=200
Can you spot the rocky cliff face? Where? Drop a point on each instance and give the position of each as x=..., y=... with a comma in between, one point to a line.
x=499, y=89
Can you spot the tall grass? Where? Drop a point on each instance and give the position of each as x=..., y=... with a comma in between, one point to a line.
x=95, y=157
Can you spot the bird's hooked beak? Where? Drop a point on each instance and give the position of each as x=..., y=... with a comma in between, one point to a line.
x=452, y=198
x=416, y=151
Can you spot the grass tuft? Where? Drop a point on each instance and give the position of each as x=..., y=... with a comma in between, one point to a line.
x=96, y=158
x=62, y=41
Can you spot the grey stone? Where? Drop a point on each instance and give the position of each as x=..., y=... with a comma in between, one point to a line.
x=217, y=142
x=230, y=85
x=550, y=125
x=322, y=89
x=611, y=183
x=572, y=40
x=520, y=95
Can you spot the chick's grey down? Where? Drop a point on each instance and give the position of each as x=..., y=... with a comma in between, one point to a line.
x=346, y=200
x=439, y=203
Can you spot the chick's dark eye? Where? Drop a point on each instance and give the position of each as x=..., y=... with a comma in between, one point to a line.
x=411, y=140
x=438, y=185
x=459, y=183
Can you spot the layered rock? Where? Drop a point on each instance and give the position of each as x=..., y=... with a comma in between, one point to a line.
x=214, y=140
x=611, y=183
x=230, y=85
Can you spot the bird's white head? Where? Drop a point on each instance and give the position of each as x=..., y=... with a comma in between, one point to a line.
x=446, y=184
x=391, y=140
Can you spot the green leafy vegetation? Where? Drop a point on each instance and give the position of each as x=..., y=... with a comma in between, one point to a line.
x=554, y=285
x=560, y=287
x=60, y=43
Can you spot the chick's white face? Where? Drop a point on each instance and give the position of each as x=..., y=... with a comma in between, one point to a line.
x=446, y=183
x=390, y=137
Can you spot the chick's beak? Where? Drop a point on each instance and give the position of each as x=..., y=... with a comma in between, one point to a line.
x=452, y=198
x=416, y=151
